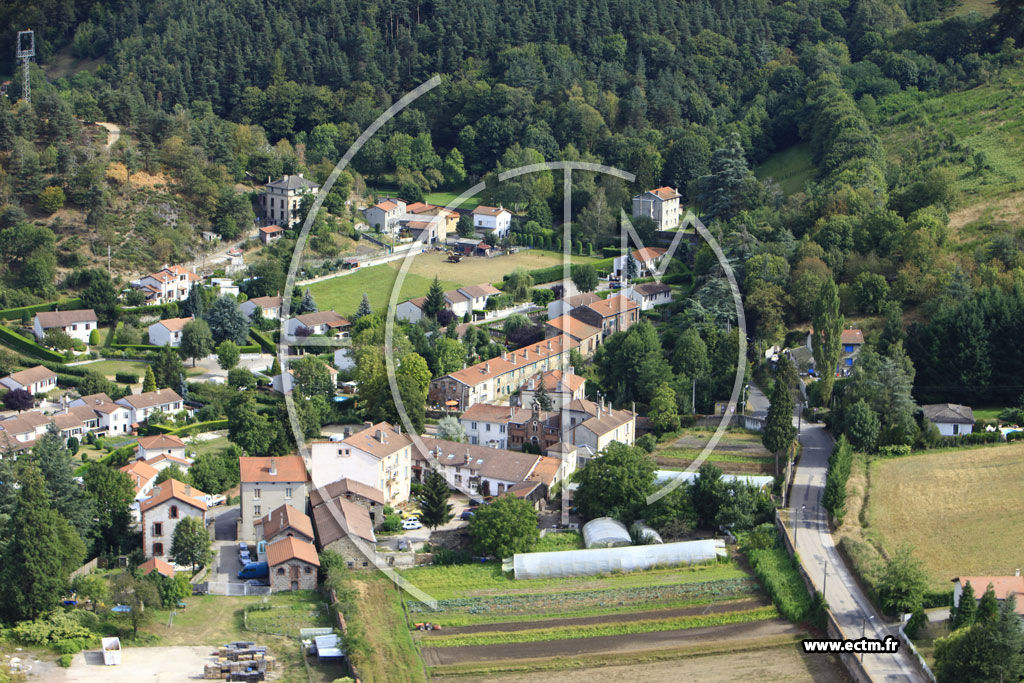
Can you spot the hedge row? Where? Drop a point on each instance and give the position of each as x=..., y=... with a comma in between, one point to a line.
x=26, y=345
x=262, y=340
x=189, y=430
x=781, y=580
x=17, y=313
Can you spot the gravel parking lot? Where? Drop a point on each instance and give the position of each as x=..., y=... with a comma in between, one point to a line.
x=157, y=664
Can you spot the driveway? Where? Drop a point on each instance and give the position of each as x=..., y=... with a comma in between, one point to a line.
x=226, y=565
x=156, y=664
x=418, y=537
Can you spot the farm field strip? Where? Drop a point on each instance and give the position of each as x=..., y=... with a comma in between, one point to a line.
x=605, y=629
x=520, y=608
x=461, y=581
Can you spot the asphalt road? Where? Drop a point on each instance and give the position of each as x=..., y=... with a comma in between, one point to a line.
x=814, y=543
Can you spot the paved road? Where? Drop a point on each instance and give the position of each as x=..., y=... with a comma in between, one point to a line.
x=814, y=543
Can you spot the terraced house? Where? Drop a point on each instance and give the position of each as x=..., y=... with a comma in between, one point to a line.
x=497, y=378
x=379, y=456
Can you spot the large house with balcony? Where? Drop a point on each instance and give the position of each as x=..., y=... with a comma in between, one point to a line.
x=497, y=378
x=661, y=205
x=281, y=199
x=379, y=456
x=171, y=283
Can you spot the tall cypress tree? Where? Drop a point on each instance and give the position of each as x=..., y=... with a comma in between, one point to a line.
x=364, y=308
x=66, y=495
x=964, y=613
x=435, y=510
x=825, y=341
x=779, y=430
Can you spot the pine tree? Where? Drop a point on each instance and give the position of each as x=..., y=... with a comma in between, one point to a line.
x=168, y=368
x=66, y=495
x=32, y=570
x=364, y=308
x=964, y=613
x=195, y=305
x=149, y=382
x=988, y=607
x=435, y=301
x=825, y=340
x=435, y=510
x=541, y=397
x=275, y=367
x=308, y=303
x=731, y=186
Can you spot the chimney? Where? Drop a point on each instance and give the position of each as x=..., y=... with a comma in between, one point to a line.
x=513, y=358
x=398, y=429
x=526, y=354
x=188, y=490
x=549, y=344
x=487, y=366
x=1017, y=573
x=273, y=467
x=367, y=425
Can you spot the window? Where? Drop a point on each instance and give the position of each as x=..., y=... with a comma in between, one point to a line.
x=280, y=571
x=158, y=549
x=256, y=509
x=848, y=348
x=256, y=493
x=488, y=426
x=288, y=492
x=956, y=429
x=174, y=512
x=158, y=528
x=307, y=570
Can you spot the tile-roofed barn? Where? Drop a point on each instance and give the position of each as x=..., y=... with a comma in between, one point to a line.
x=291, y=548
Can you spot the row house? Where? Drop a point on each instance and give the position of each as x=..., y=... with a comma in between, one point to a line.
x=267, y=484
x=497, y=378
x=19, y=433
x=565, y=305
x=586, y=336
x=614, y=314
x=170, y=284
x=77, y=324
x=37, y=380
x=112, y=418
x=479, y=470
x=378, y=456
x=170, y=502
x=586, y=426
x=345, y=527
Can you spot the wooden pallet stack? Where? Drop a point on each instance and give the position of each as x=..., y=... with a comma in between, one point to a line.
x=240, y=662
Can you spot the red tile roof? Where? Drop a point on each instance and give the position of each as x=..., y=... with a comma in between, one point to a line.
x=159, y=566
x=573, y=327
x=32, y=375
x=172, y=488
x=291, y=548
x=271, y=229
x=613, y=305
x=140, y=473
x=160, y=441
x=286, y=517
x=649, y=253
x=288, y=468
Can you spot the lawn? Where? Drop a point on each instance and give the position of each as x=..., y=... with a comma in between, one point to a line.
x=446, y=198
x=565, y=540
x=487, y=579
x=210, y=446
x=383, y=650
x=343, y=293
x=791, y=168
x=109, y=368
x=959, y=509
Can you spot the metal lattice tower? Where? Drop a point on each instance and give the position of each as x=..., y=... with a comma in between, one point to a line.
x=25, y=50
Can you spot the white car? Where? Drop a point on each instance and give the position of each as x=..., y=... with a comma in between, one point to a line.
x=411, y=524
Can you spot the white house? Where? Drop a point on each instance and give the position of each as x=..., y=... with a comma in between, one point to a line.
x=168, y=332
x=647, y=261
x=76, y=324
x=486, y=424
x=379, y=456
x=561, y=387
x=385, y=215
x=459, y=301
x=169, y=503
x=478, y=295
x=270, y=233
x=225, y=286
x=172, y=283
x=282, y=199
x=317, y=323
x=661, y=205
x=650, y=294
x=150, y=447
x=20, y=432
x=268, y=483
x=951, y=418
x=141, y=406
x=37, y=380
x=480, y=469
x=142, y=476
x=267, y=306
x=113, y=418
x=493, y=222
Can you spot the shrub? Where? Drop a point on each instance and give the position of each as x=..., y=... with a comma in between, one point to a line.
x=391, y=523
x=64, y=661
x=894, y=451
x=126, y=378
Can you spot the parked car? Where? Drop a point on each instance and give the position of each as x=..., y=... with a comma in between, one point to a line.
x=255, y=570
x=243, y=547
x=467, y=514
x=244, y=557
x=411, y=524
x=411, y=514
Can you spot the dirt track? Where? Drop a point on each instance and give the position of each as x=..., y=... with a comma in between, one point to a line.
x=728, y=606
x=636, y=642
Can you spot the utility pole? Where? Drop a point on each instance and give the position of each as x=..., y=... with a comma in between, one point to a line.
x=824, y=585
x=693, y=400
x=25, y=50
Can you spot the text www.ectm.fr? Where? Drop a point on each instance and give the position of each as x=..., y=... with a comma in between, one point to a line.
x=870, y=645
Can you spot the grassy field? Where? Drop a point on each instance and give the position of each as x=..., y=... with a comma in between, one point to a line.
x=791, y=168
x=446, y=198
x=109, y=368
x=344, y=293
x=983, y=7
x=211, y=446
x=386, y=651
x=566, y=540
x=738, y=452
x=958, y=509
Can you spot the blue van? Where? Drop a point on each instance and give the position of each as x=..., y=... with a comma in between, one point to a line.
x=254, y=570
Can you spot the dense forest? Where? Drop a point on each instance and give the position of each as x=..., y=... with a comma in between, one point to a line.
x=689, y=94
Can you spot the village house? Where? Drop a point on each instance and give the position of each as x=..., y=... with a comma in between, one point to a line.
x=661, y=205
x=74, y=422
x=341, y=526
x=270, y=233
x=952, y=419
x=281, y=200
x=19, y=433
x=492, y=222
x=615, y=314
x=561, y=387
x=170, y=284
x=285, y=521
x=266, y=484
x=586, y=336
x=1002, y=586
x=385, y=214
x=564, y=306
x=650, y=294
x=169, y=503
x=480, y=470
x=293, y=564
x=586, y=426
x=142, y=475
x=168, y=332
x=486, y=424
x=419, y=222
x=498, y=377
x=141, y=406
x=851, y=341
x=317, y=323
x=267, y=306
x=379, y=456
x=647, y=261
x=224, y=286
x=113, y=418
x=155, y=564
x=37, y=380
x=459, y=301
x=365, y=496
x=149, y=447
x=77, y=324
x=285, y=382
